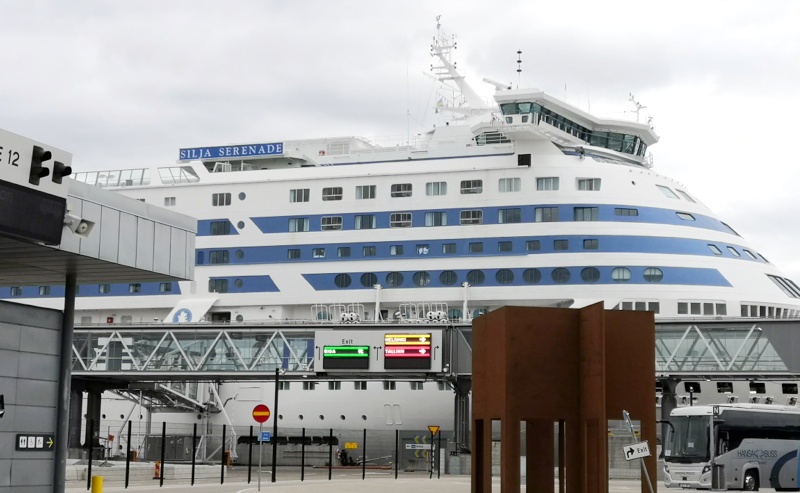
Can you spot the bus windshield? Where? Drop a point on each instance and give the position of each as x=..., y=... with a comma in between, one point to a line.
x=688, y=439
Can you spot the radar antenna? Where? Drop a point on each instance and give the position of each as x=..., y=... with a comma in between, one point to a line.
x=519, y=67
x=638, y=105
x=445, y=70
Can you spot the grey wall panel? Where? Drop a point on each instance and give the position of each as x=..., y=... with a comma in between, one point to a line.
x=32, y=472
x=38, y=366
x=9, y=361
x=189, y=254
x=35, y=419
x=127, y=239
x=177, y=262
x=5, y=469
x=36, y=392
x=161, y=249
x=90, y=246
x=71, y=242
x=18, y=314
x=8, y=387
x=145, y=243
x=9, y=335
x=40, y=340
x=109, y=234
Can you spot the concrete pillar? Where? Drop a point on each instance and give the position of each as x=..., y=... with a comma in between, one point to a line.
x=93, y=402
x=75, y=419
x=461, y=415
x=669, y=401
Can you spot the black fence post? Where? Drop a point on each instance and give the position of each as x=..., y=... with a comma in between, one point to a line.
x=396, y=452
x=275, y=427
x=89, y=446
x=194, y=450
x=364, y=456
x=303, y=457
x=250, y=456
x=128, y=456
x=222, y=461
x=439, y=457
x=163, y=451
x=330, y=455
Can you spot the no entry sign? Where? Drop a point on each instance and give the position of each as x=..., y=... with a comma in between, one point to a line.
x=261, y=413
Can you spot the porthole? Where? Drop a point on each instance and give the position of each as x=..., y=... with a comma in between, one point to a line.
x=239, y=253
x=341, y=416
x=448, y=278
x=280, y=416
x=300, y=417
x=394, y=279
x=364, y=417
x=621, y=274
x=342, y=280
x=239, y=318
x=653, y=274
x=240, y=225
x=369, y=279
x=476, y=277
x=238, y=283
x=322, y=417
x=532, y=276
x=122, y=416
x=504, y=276
x=104, y=416
x=199, y=416
x=242, y=196
x=560, y=275
x=422, y=279
x=590, y=274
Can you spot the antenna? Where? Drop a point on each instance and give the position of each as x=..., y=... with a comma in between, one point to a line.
x=638, y=105
x=519, y=67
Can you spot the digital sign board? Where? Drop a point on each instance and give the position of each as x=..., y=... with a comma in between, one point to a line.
x=345, y=357
x=407, y=351
x=31, y=214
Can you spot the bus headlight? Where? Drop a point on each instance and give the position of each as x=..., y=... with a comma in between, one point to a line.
x=705, y=470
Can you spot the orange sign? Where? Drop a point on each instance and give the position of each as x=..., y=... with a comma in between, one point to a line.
x=433, y=429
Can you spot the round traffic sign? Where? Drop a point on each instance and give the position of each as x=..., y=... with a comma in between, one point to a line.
x=261, y=413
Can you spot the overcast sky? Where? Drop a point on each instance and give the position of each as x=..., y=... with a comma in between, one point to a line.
x=124, y=84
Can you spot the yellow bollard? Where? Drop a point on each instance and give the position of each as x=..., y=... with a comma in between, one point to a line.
x=97, y=484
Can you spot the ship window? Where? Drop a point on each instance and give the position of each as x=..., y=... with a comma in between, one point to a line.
x=714, y=249
x=165, y=287
x=476, y=277
x=435, y=219
x=309, y=385
x=546, y=214
x=560, y=275
x=369, y=251
x=423, y=249
x=343, y=251
x=621, y=274
x=587, y=213
x=476, y=247
x=239, y=253
x=449, y=248
x=365, y=221
x=334, y=385
x=332, y=193
x=474, y=216
x=416, y=385
x=400, y=220
x=487, y=138
x=684, y=195
x=422, y=279
x=401, y=190
x=560, y=244
x=394, y=279
x=505, y=246
x=298, y=224
x=168, y=201
x=589, y=184
x=532, y=276
x=396, y=250
x=342, y=280
x=389, y=385
x=504, y=276
x=331, y=223
x=749, y=253
x=448, y=278
x=731, y=229
x=471, y=186
x=505, y=216
x=685, y=216
x=590, y=274
x=360, y=385
x=220, y=199
x=789, y=388
x=368, y=280
x=509, y=185
x=734, y=251
x=293, y=253
x=299, y=195
x=533, y=245
x=667, y=191
x=625, y=211
x=104, y=288
x=218, y=257
x=763, y=258
x=218, y=286
x=219, y=228
x=133, y=287
x=722, y=309
x=365, y=192
x=591, y=244
x=786, y=286
x=547, y=183
x=318, y=253
x=16, y=291
x=653, y=274
x=436, y=188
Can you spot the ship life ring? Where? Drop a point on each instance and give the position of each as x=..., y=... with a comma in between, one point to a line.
x=321, y=153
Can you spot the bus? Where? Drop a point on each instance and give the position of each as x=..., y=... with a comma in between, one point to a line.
x=757, y=445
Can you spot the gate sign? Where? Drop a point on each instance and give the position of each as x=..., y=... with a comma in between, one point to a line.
x=407, y=351
x=261, y=413
x=636, y=450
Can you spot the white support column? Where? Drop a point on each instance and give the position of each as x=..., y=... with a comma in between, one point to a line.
x=377, y=316
x=465, y=308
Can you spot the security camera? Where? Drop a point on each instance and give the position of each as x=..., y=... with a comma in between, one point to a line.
x=79, y=226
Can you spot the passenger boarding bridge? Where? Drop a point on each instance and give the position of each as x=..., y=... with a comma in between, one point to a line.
x=160, y=359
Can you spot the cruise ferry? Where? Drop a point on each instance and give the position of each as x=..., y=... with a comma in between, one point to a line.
x=527, y=201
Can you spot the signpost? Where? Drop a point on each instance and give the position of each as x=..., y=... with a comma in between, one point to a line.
x=345, y=357
x=35, y=442
x=261, y=414
x=638, y=450
x=407, y=351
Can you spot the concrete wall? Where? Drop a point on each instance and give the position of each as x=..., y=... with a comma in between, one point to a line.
x=29, y=360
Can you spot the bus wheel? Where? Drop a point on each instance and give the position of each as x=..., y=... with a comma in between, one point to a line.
x=751, y=481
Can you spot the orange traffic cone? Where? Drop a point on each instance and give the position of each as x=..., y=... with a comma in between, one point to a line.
x=158, y=470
